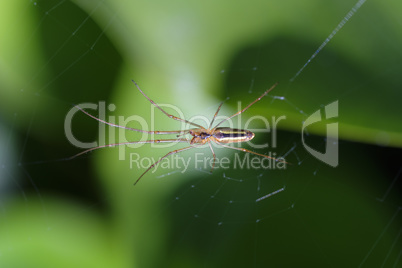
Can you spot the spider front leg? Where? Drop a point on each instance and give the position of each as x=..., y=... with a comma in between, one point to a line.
x=126, y=143
x=213, y=154
x=163, y=111
x=216, y=113
x=248, y=106
x=166, y=155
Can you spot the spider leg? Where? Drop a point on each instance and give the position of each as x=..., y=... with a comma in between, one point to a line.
x=213, y=118
x=213, y=154
x=132, y=129
x=251, y=152
x=163, y=111
x=248, y=106
x=125, y=143
x=166, y=155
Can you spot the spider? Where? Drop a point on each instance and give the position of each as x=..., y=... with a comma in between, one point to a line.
x=200, y=135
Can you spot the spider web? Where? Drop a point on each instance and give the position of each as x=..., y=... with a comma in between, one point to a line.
x=310, y=213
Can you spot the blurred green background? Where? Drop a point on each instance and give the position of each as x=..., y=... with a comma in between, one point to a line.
x=86, y=213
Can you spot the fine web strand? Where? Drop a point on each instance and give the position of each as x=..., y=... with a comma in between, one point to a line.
x=333, y=33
